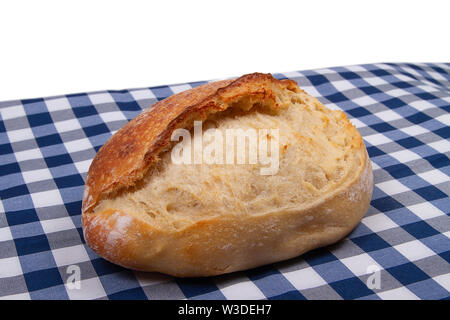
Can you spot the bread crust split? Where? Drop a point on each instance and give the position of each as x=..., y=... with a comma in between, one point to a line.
x=217, y=243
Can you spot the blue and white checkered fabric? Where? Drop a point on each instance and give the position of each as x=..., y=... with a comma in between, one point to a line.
x=403, y=113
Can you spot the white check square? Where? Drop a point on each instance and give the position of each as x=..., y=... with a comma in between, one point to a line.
x=36, y=175
x=333, y=106
x=414, y=130
x=434, y=177
x=357, y=123
x=292, y=74
x=392, y=187
x=18, y=296
x=437, y=76
x=311, y=91
x=304, y=278
x=244, y=289
x=364, y=101
x=112, y=116
x=403, y=77
x=404, y=156
x=99, y=98
x=180, y=88
x=425, y=210
x=342, y=85
x=10, y=267
x=20, y=135
x=401, y=293
x=70, y=255
x=360, y=264
x=445, y=119
x=375, y=81
x=397, y=93
x=430, y=88
x=379, y=222
x=57, y=104
x=83, y=166
x=325, y=71
x=444, y=281
x=67, y=125
x=46, y=198
x=414, y=250
x=12, y=112
x=141, y=94
x=375, y=166
x=5, y=234
x=58, y=224
x=78, y=145
x=150, y=278
x=388, y=115
x=442, y=146
x=421, y=105
x=28, y=154
x=377, y=139
x=356, y=68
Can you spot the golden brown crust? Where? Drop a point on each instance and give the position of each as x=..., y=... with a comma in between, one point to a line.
x=127, y=156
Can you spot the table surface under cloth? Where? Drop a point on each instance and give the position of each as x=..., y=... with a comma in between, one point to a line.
x=403, y=112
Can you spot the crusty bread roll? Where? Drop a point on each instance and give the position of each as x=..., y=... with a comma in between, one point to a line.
x=144, y=212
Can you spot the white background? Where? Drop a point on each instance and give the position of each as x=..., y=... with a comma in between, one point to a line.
x=60, y=47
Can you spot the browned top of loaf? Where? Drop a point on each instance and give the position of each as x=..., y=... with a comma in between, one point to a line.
x=127, y=156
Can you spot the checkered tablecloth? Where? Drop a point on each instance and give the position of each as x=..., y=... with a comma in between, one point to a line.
x=403, y=113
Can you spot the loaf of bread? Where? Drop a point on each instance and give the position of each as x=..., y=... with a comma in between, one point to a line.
x=143, y=211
